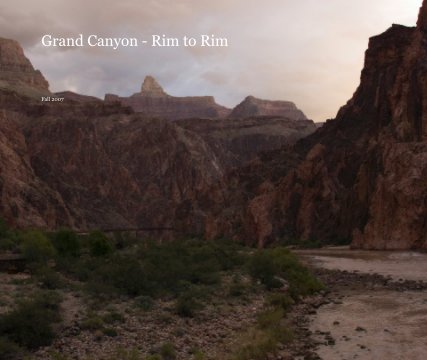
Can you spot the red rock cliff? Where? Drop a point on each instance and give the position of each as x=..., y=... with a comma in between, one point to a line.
x=361, y=176
x=16, y=71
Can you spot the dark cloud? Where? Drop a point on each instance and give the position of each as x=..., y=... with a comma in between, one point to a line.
x=307, y=51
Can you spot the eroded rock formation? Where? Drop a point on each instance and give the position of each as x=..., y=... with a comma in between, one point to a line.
x=361, y=176
x=86, y=163
x=152, y=101
x=252, y=106
x=17, y=72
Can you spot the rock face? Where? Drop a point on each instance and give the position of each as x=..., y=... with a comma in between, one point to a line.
x=252, y=106
x=16, y=71
x=237, y=141
x=150, y=87
x=85, y=163
x=69, y=95
x=152, y=101
x=91, y=165
x=360, y=177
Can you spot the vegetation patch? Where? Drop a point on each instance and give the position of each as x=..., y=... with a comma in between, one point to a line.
x=176, y=283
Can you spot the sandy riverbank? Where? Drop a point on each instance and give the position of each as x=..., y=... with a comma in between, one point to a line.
x=373, y=317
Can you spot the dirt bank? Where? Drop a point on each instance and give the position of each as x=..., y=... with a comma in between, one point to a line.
x=376, y=308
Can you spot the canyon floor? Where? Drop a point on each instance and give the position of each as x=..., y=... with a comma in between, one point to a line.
x=379, y=306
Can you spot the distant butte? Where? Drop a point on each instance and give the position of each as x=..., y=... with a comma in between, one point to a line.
x=153, y=101
x=252, y=106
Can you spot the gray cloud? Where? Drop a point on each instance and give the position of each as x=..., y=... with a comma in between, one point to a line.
x=307, y=51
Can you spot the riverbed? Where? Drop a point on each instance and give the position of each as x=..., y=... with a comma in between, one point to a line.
x=372, y=322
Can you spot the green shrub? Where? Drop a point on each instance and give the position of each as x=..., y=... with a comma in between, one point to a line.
x=261, y=343
x=187, y=306
x=113, y=317
x=150, y=269
x=237, y=287
x=146, y=303
x=8, y=349
x=258, y=348
x=270, y=318
x=92, y=323
x=36, y=247
x=8, y=238
x=269, y=264
x=110, y=332
x=66, y=243
x=7, y=244
x=58, y=356
x=49, y=278
x=283, y=301
x=153, y=357
x=125, y=354
x=119, y=274
x=30, y=323
x=198, y=354
x=124, y=240
x=167, y=351
x=99, y=244
x=4, y=229
x=301, y=281
x=262, y=268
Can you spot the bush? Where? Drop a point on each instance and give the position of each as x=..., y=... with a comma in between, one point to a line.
x=282, y=301
x=30, y=324
x=8, y=349
x=124, y=240
x=146, y=303
x=99, y=244
x=270, y=318
x=125, y=354
x=66, y=243
x=153, y=357
x=186, y=305
x=237, y=287
x=258, y=350
x=36, y=247
x=7, y=244
x=113, y=317
x=167, y=351
x=269, y=264
x=262, y=268
x=110, y=332
x=198, y=354
x=49, y=278
x=92, y=323
x=120, y=274
x=4, y=229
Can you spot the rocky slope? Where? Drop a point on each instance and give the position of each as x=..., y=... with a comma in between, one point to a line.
x=17, y=72
x=359, y=177
x=152, y=101
x=72, y=96
x=252, y=106
x=237, y=141
x=86, y=163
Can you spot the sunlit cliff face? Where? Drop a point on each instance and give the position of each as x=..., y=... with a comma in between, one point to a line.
x=307, y=51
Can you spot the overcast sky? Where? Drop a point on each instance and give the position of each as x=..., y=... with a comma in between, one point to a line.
x=307, y=51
